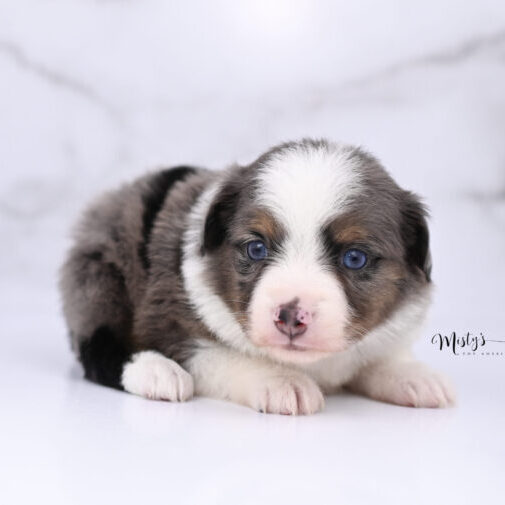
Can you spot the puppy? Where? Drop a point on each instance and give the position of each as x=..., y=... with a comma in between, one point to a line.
x=267, y=285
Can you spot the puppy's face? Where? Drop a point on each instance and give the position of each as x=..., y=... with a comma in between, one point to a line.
x=313, y=246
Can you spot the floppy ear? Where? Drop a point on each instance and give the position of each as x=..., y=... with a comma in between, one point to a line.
x=220, y=212
x=415, y=234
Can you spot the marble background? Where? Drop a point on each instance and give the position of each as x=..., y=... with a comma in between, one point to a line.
x=93, y=93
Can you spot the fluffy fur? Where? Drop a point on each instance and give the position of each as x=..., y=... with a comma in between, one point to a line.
x=162, y=299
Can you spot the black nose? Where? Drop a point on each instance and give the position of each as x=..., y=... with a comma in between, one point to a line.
x=287, y=322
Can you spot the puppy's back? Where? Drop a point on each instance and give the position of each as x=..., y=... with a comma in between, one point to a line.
x=106, y=271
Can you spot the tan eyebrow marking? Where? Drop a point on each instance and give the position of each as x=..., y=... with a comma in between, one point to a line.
x=353, y=233
x=347, y=229
x=263, y=223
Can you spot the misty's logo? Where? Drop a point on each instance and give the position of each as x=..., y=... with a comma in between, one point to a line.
x=468, y=344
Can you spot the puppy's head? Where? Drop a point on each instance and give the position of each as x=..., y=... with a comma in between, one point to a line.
x=313, y=246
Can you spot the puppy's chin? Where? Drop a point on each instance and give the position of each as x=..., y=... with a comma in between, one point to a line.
x=292, y=353
x=295, y=356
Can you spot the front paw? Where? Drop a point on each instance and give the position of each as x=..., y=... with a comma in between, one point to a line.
x=427, y=389
x=289, y=394
x=410, y=384
x=152, y=375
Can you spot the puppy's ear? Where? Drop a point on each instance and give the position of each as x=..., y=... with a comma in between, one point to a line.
x=415, y=234
x=220, y=212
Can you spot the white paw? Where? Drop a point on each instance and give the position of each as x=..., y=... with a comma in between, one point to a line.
x=152, y=375
x=291, y=394
x=412, y=384
x=428, y=390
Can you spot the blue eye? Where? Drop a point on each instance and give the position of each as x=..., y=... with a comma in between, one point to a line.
x=256, y=250
x=354, y=259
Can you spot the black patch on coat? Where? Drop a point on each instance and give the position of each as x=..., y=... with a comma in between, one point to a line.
x=103, y=357
x=416, y=235
x=153, y=199
x=333, y=250
x=94, y=256
x=219, y=216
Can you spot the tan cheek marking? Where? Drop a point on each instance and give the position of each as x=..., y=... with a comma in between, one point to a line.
x=264, y=224
x=227, y=279
x=379, y=305
x=240, y=306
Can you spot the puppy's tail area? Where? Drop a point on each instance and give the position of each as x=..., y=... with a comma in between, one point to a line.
x=103, y=357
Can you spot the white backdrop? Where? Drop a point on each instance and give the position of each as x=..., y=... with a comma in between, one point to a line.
x=93, y=93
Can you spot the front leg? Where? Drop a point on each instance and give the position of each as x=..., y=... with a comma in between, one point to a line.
x=403, y=382
x=223, y=373
x=154, y=376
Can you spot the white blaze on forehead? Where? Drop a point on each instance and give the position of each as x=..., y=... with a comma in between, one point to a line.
x=305, y=186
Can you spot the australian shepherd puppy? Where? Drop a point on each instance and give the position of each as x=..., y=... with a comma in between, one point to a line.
x=266, y=285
